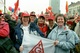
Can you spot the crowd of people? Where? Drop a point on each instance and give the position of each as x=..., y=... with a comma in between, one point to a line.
x=64, y=31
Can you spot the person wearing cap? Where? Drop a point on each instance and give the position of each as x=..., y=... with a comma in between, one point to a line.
x=4, y=27
x=25, y=27
x=71, y=23
x=41, y=24
x=33, y=17
x=51, y=25
x=2, y=16
x=4, y=32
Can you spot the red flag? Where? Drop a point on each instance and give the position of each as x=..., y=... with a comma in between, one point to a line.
x=38, y=48
x=14, y=15
x=51, y=13
x=66, y=6
x=16, y=6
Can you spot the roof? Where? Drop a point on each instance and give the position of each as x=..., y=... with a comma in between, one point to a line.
x=74, y=4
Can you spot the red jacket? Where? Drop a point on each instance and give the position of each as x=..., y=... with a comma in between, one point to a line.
x=4, y=29
x=43, y=28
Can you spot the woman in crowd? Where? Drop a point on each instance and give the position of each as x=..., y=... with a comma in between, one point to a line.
x=25, y=27
x=62, y=36
x=32, y=16
x=42, y=25
x=4, y=27
x=4, y=32
x=51, y=25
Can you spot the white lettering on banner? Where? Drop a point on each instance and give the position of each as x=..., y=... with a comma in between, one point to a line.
x=37, y=44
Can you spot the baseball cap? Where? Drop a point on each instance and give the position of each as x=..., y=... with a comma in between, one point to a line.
x=25, y=14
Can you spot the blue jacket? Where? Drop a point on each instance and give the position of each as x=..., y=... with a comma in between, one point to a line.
x=65, y=38
x=19, y=34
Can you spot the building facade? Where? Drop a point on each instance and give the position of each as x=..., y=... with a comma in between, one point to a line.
x=74, y=8
x=55, y=4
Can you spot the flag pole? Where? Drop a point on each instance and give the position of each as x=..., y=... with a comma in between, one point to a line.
x=4, y=6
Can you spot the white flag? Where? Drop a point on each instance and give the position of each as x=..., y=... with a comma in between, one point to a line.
x=36, y=44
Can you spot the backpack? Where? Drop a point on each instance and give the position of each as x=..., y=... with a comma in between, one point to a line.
x=77, y=43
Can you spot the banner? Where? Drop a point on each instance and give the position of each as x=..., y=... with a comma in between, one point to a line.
x=37, y=44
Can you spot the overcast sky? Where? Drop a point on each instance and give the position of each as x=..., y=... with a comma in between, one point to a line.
x=36, y=5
